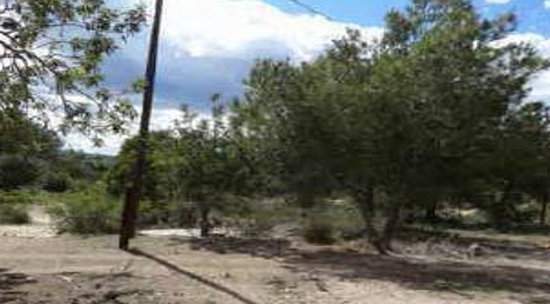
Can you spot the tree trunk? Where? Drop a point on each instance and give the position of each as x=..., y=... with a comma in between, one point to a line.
x=502, y=210
x=365, y=202
x=392, y=224
x=134, y=188
x=431, y=212
x=205, y=223
x=544, y=209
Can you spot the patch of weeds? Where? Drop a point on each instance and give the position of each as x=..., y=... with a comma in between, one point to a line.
x=91, y=211
x=14, y=214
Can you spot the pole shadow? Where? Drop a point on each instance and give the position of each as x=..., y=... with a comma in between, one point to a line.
x=192, y=275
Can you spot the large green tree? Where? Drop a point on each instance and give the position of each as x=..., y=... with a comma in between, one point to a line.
x=25, y=148
x=50, y=61
x=388, y=122
x=198, y=161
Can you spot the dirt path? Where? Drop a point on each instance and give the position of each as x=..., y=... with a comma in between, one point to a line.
x=41, y=226
x=67, y=269
x=38, y=267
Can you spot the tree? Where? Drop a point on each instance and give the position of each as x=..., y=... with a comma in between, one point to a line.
x=25, y=147
x=197, y=161
x=389, y=122
x=50, y=61
x=19, y=135
x=524, y=156
x=159, y=183
x=210, y=165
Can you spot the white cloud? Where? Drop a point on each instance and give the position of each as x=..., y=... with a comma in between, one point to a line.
x=547, y=4
x=497, y=1
x=247, y=29
x=200, y=37
x=161, y=119
x=541, y=83
x=204, y=42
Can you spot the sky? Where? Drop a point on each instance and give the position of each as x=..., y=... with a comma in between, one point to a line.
x=208, y=46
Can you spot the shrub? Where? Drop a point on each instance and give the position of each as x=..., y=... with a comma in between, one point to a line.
x=15, y=198
x=167, y=214
x=16, y=172
x=14, y=214
x=319, y=231
x=87, y=212
x=57, y=182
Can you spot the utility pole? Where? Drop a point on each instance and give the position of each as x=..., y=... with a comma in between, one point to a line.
x=135, y=185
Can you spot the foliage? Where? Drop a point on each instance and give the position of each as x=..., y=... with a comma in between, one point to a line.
x=210, y=164
x=22, y=136
x=56, y=182
x=263, y=215
x=15, y=198
x=167, y=214
x=82, y=166
x=198, y=161
x=159, y=182
x=31, y=155
x=24, y=148
x=13, y=214
x=90, y=211
x=16, y=171
x=342, y=124
x=433, y=115
x=59, y=45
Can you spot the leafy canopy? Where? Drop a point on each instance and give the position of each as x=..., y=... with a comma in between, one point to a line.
x=50, y=61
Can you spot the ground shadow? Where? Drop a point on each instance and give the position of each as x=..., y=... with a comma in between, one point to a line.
x=9, y=282
x=426, y=273
x=192, y=275
x=491, y=247
x=264, y=248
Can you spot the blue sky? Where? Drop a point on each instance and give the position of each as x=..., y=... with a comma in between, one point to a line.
x=532, y=13
x=208, y=46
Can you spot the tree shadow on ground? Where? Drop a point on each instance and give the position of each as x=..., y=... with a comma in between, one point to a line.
x=492, y=247
x=264, y=248
x=421, y=273
x=426, y=274
x=192, y=275
x=9, y=282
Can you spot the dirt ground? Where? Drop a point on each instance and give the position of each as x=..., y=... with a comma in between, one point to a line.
x=170, y=270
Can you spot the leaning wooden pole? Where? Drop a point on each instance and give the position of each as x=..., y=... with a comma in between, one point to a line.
x=135, y=185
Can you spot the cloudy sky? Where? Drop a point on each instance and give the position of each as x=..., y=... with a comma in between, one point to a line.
x=208, y=46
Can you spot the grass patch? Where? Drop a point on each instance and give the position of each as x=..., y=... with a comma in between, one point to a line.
x=89, y=211
x=15, y=198
x=14, y=214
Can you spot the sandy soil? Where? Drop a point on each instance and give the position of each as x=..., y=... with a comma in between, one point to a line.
x=163, y=270
x=41, y=226
x=169, y=270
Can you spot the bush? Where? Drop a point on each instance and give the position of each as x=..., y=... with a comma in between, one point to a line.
x=14, y=214
x=15, y=198
x=57, y=182
x=87, y=212
x=320, y=232
x=16, y=172
x=167, y=215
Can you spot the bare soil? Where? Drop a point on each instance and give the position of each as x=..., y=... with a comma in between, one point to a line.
x=169, y=270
